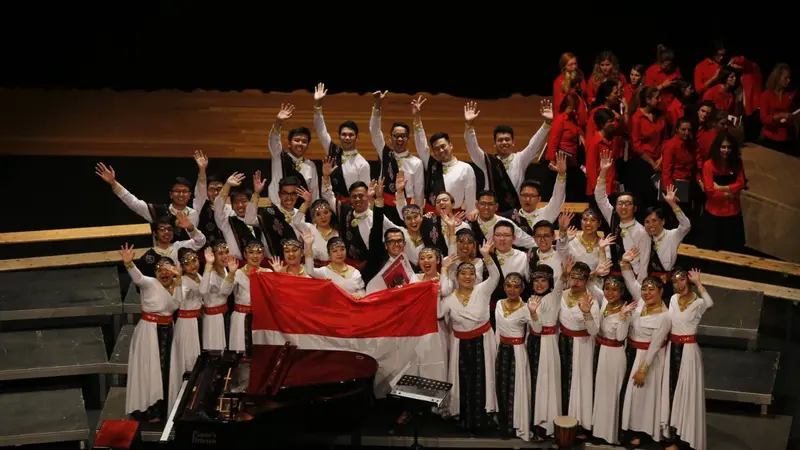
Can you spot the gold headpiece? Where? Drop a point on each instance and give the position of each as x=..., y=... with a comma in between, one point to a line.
x=189, y=257
x=465, y=265
x=612, y=281
x=291, y=243
x=427, y=251
x=652, y=282
x=220, y=246
x=514, y=280
x=254, y=246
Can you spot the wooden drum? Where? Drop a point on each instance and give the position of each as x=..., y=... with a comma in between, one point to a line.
x=566, y=431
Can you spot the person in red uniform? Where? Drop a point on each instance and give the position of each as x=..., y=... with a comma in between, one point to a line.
x=679, y=162
x=631, y=90
x=752, y=83
x=723, y=181
x=776, y=115
x=647, y=131
x=682, y=105
x=728, y=94
x=567, y=136
x=608, y=98
x=662, y=74
x=568, y=71
x=705, y=131
x=607, y=122
x=606, y=67
x=706, y=71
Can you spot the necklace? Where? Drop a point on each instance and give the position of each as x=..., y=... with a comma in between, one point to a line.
x=417, y=240
x=340, y=272
x=624, y=231
x=301, y=273
x=510, y=308
x=589, y=246
x=425, y=278
x=684, y=302
x=574, y=299
x=463, y=297
x=325, y=234
x=650, y=310
x=612, y=309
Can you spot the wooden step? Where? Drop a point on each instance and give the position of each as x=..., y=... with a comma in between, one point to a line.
x=52, y=353
x=740, y=376
x=45, y=294
x=118, y=362
x=41, y=417
x=736, y=314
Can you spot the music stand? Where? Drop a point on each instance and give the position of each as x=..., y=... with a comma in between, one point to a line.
x=418, y=395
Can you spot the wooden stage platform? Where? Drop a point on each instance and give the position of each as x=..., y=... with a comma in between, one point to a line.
x=224, y=124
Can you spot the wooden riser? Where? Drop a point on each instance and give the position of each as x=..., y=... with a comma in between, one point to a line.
x=42, y=417
x=52, y=353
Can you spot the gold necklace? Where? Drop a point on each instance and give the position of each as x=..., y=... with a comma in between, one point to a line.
x=684, y=303
x=589, y=246
x=325, y=234
x=424, y=278
x=464, y=298
x=612, y=309
x=508, y=310
x=301, y=273
x=573, y=299
x=649, y=310
x=340, y=272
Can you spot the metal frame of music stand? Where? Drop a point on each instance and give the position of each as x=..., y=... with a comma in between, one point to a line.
x=418, y=406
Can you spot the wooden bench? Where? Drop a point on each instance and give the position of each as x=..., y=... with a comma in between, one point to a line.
x=43, y=417
x=769, y=290
x=737, y=259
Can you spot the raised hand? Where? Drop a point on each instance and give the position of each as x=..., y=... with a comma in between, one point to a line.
x=487, y=248
x=694, y=277
x=233, y=265
x=306, y=195
x=106, y=173
x=669, y=196
x=126, y=251
x=471, y=112
x=371, y=190
x=631, y=255
x=627, y=309
x=572, y=232
x=277, y=264
x=534, y=302
x=308, y=237
x=416, y=105
x=378, y=96
x=379, y=187
x=565, y=219
x=285, y=113
x=606, y=161
x=446, y=263
x=328, y=166
x=183, y=220
x=604, y=268
x=561, y=163
x=400, y=181
x=473, y=215
x=319, y=93
x=606, y=241
x=258, y=182
x=209, y=254
x=546, y=109
x=201, y=159
x=566, y=266
x=586, y=304
x=235, y=179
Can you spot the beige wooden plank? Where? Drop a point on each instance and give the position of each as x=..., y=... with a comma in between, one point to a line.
x=69, y=234
x=745, y=285
x=737, y=259
x=77, y=259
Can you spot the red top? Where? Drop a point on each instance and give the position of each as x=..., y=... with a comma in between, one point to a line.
x=679, y=161
x=716, y=203
x=704, y=70
x=558, y=95
x=627, y=91
x=674, y=112
x=591, y=86
x=752, y=83
x=646, y=135
x=722, y=99
x=564, y=135
x=771, y=105
x=704, y=139
x=654, y=76
x=594, y=149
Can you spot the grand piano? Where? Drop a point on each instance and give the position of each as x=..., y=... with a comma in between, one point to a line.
x=278, y=392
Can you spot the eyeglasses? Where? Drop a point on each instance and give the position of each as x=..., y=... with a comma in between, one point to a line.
x=181, y=191
x=400, y=136
x=288, y=194
x=164, y=228
x=395, y=241
x=486, y=204
x=530, y=195
x=503, y=235
x=358, y=196
x=542, y=236
x=624, y=203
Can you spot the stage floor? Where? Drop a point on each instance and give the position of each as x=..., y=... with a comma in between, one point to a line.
x=224, y=124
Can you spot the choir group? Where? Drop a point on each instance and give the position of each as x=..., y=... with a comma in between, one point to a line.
x=538, y=319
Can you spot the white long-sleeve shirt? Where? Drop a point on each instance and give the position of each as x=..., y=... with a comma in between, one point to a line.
x=354, y=166
x=140, y=206
x=633, y=233
x=303, y=165
x=668, y=241
x=517, y=163
x=408, y=163
x=459, y=178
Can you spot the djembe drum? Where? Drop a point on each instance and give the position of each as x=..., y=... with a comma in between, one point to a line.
x=566, y=431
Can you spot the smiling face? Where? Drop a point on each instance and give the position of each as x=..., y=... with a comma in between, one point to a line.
x=254, y=255
x=651, y=294
x=239, y=204
x=298, y=145
x=395, y=244
x=444, y=203
x=338, y=253
x=164, y=275
x=513, y=288
x=180, y=195
x=654, y=225
x=466, y=247
x=164, y=233
x=544, y=238
x=442, y=150
x=288, y=196
x=428, y=262
x=292, y=254
x=413, y=219
x=680, y=283
x=625, y=207
x=487, y=207
x=466, y=277
x=612, y=292
x=348, y=138
x=213, y=190
x=589, y=223
x=541, y=285
x=322, y=216
x=358, y=198
x=190, y=264
x=504, y=144
x=399, y=139
x=530, y=197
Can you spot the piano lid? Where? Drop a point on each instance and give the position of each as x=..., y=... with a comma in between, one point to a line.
x=290, y=367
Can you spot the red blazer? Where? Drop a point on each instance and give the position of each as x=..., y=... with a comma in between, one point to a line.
x=647, y=136
x=704, y=70
x=591, y=87
x=558, y=95
x=716, y=203
x=679, y=161
x=564, y=135
x=704, y=139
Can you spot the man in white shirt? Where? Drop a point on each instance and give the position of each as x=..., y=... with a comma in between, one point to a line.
x=291, y=162
x=206, y=191
x=483, y=225
x=530, y=196
x=443, y=172
x=505, y=171
x=396, y=158
x=350, y=165
x=180, y=194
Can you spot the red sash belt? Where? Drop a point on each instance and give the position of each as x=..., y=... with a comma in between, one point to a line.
x=244, y=309
x=189, y=313
x=615, y=273
x=214, y=310
x=638, y=345
x=608, y=342
x=545, y=331
x=683, y=338
x=390, y=200
x=472, y=334
x=512, y=340
x=344, y=199
x=320, y=264
x=157, y=318
x=574, y=333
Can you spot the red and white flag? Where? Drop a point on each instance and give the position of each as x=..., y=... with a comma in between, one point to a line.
x=394, y=326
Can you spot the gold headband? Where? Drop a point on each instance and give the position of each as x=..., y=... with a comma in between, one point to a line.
x=220, y=246
x=291, y=243
x=652, y=283
x=162, y=263
x=513, y=281
x=189, y=257
x=428, y=252
x=255, y=246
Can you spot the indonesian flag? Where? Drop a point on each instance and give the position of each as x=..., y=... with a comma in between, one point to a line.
x=394, y=326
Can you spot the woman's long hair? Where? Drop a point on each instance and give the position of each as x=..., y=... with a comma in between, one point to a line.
x=597, y=74
x=775, y=76
x=734, y=160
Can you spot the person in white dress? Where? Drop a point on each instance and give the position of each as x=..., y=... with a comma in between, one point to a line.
x=343, y=275
x=684, y=380
x=462, y=248
x=350, y=164
x=240, y=338
x=149, y=355
x=512, y=368
x=643, y=413
x=589, y=245
x=323, y=227
x=580, y=322
x=664, y=250
x=545, y=306
x=215, y=294
x=186, y=339
x=610, y=363
x=292, y=263
x=434, y=268
x=473, y=348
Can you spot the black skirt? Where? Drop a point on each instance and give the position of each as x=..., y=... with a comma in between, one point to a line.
x=472, y=383
x=534, y=347
x=505, y=375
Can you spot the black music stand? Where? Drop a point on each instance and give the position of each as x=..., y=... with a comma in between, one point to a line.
x=420, y=395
